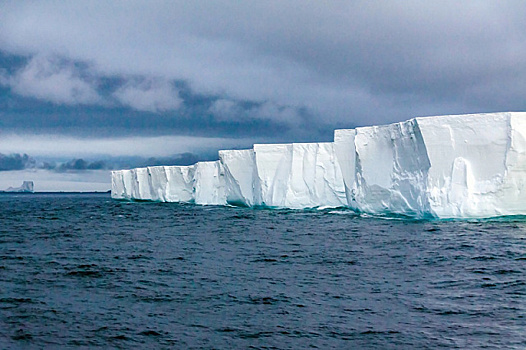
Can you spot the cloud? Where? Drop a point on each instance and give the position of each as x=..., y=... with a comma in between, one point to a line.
x=4, y=77
x=80, y=165
x=54, y=80
x=186, y=158
x=224, y=109
x=345, y=62
x=149, y=95
x=97, y=148
x=15, y=162
x=273, y=70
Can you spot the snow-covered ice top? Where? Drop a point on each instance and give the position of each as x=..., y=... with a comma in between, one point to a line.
x=458, y=166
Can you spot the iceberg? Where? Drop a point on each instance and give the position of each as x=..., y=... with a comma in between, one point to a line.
x=458, y=166
x=27, y=187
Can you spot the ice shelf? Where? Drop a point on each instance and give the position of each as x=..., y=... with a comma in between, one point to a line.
x=460, y=166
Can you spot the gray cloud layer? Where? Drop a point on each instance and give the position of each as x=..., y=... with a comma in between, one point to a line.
x=340, y=62
x=15, y=162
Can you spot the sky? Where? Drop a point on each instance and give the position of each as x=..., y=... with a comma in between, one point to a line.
x=133, y=83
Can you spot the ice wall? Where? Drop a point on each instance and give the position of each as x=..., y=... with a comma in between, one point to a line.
x=513, y=189
x=299, y=175
x=241, y=180
x=384, y=168
x=209, y=183
x=391, y=168
x=345, y=152
x=273, y=164
x=157, y=182
x=160, y=183
x=117, y=185
x=121, y=184
x=141, y=188
x=179, y=183
x=475, y=160
x=315, y=177
x=447, y=167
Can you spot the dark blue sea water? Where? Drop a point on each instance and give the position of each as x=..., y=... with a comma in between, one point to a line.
x=83, y=271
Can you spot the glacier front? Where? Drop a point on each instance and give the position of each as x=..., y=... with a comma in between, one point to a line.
x=459, y=166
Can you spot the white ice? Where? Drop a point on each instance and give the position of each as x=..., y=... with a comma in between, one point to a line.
x=159, y=183
x=241, y=178
x=209, y=183
x=461, y=166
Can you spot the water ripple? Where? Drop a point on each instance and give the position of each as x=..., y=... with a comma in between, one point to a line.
x=83, y=271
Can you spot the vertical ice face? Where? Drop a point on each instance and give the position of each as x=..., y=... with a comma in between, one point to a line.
x=118, y=190
x=468, y=162
x=299, y=175
x=179, y=183
x=273, y=163
x=127, y=179
x=209, y=183
x=158, y=182
x=345, y=151
x=448, y=166
x=240, y=176
x=411, y=168
x=315, y=177
x=384, y=168
x=141, y=184
x=513, y=191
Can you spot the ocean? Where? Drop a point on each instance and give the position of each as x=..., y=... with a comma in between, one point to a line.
x=85, y=271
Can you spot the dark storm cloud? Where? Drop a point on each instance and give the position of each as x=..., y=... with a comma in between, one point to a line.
x=15, y=162
x=81, y=164
x=23, y=161
x=209, y=118
x=233, y=68
x=180, y=159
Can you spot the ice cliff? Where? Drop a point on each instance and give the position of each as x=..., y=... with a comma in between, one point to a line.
x=462, y=166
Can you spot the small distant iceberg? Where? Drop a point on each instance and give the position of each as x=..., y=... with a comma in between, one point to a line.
x=27, y=187
x=456, y=166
